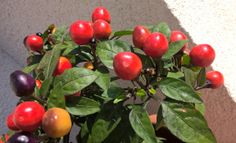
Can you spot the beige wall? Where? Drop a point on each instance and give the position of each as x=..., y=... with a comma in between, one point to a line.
x=21, y=17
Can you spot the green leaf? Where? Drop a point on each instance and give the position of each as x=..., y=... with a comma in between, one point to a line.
x=36, y=91
x=141, y=93
x=114, y=92
x=191, y=75
x=168, y=63
x=160, y=122
x=141, y=124
x=85, y=51
x=56, y=98
x=178, y=90
x=119, y=99
x=158, y=140
x=120, y=33
x=75, y=79
x=185, y=60
x=186, y=123
x=146, y=60
x=29, y=68
x=46, y=85
x=201, y=108
x=49, y=61
x=83, y=135
x=82, y=106
x=106, y=51
x=201, y=79
x=105, y=122
x=62, y=33
x=162, y=28
x=34, y=59
x=69, y=47
x=152, y=91
x=103, y=79
x=174, y=48
x=123, y=133
x=52, y=61
x=176, y=75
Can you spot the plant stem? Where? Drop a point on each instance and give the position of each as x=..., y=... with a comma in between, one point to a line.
x=64, y=35
x=206, y=85
x=112, y=37
x=38, y=99
x=114, y=78
x=95, y=63
x=140, y=84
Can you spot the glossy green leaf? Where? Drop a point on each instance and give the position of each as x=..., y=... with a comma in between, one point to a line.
x=201, y=78
x=201, y=108
x=191, y=75
x=62, y=34
x=185, y=60
x=120, y=33
x=158, y=140
x=141, y=124
x=106, y=51
x=119, y=99
x=160, y=122
x=75, y=79
x=29, y=68
x=103, y=79
x=178, y=90
x=146, y=61
x=123, y=133
x=69, y=47
x=168, y=63
x=176, y=75
x=34, y=59
x=52, y=61
x=36, y=91
x=49, y=61
x=114, y=92
x=174, y=48
x=186, y=123
x=140, y=93
x=162, y=28
x=152, y=91
x=83, y=135
x=85, y=51
x=82, y=106
x=56, y=98
x=46, y=85
x=105, y=122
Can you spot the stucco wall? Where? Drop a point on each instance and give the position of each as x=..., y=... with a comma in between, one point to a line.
x=21, y=17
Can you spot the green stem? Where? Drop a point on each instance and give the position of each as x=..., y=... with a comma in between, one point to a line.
x=140, y=83
x=38, y=99
x=112, y=37
x=95, y=62
x=202, y=87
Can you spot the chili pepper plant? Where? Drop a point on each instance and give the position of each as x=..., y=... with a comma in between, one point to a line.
x=89, y=76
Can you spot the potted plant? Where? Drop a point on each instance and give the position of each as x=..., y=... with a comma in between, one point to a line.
x=71, y=80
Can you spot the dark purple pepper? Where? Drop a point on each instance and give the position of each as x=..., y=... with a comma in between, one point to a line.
x=22, y=137
x=22, y=84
